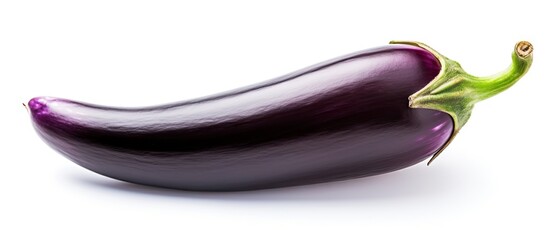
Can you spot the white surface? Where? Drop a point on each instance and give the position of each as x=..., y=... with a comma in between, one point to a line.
x=491, y=183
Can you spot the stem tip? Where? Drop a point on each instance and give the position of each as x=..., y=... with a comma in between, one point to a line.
x=524, y=49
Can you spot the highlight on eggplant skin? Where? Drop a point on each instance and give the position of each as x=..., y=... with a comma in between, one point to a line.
x=344, y=118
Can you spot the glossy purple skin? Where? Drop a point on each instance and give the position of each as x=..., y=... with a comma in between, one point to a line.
x=340, y=119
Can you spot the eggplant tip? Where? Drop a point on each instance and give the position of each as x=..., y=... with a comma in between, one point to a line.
x=37, y=105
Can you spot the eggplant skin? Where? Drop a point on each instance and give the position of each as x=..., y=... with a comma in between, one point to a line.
x=344, y=118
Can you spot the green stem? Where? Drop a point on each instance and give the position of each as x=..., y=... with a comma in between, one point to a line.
x=455, y=92
x=492, y=85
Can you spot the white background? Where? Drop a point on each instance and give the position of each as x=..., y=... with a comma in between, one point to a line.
x=491, y=183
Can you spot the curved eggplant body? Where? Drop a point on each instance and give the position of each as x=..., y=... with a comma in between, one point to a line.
x=340, y=119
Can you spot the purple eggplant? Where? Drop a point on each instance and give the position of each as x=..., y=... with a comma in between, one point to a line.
x=362, y=114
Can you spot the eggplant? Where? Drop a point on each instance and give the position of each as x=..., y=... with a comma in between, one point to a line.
x=362, y=114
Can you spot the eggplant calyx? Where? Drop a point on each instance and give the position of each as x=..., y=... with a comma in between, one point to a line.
x=455, y=92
